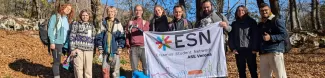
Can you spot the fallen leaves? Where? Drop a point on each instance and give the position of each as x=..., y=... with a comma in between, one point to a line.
x=22, y=55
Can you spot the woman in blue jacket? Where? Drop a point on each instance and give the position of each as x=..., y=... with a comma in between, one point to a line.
x=58, y=29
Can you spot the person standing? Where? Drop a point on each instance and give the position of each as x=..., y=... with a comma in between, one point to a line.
x=58, y=29
x=209, y=16
x=241, y=42
x=110, y=42
x=159, y=23
x=179, y=22
x=135, y=40
x=82, y=45
x=272, y=34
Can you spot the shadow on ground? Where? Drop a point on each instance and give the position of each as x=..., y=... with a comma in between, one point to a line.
x=38, y=70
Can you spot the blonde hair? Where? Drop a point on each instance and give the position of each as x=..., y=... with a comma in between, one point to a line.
x=112, y=8
x=162, y=8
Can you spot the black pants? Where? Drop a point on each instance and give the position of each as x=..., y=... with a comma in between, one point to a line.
x=56, y=53
x=246, y=56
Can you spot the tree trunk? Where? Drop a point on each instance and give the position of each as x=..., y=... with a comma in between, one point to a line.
x=297, y=15
x=182, y=2
x=245, y=2
x=198, y=9
x=95, y=7
x=313, y=15
x=259, y=2
x=220, y=4
x=275, y=7
x=318, y=19
x=293, y=16
x=36, y=9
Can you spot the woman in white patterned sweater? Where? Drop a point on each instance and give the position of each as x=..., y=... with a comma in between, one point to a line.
x=82, y=45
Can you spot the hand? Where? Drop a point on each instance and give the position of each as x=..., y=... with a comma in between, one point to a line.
x=52, y=46
x=235, y=52
x=101, y=51
x=254, y=52
x=130, y=23
x=119, y=50
x=128, y=50
x=223, y=25
x=266, y=37
x=74, y=52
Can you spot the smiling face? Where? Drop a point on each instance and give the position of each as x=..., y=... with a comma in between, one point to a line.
x=207, y=8
x=67, y=10
x=241, y=12
x=178, y=12
x=85, y=17
x=111, y=12
x=158, y=11
x=265, y=11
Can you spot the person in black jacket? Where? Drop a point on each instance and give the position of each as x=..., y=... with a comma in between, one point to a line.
x=179, y=22
x=241, y=42
x=159, y=23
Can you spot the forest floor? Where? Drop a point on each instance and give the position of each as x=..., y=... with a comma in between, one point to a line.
x=22, y=55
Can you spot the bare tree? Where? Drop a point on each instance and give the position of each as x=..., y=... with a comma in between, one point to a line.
x=182, y=2
x=294, y=21
x=220, y=4
x=318, y=19
x=36, y=9
x=198, y=9
x=259, y=2
x=275, y=7
x=313, y=14
x=95, y=7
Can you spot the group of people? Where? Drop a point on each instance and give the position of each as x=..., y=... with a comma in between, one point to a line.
x=246, y=38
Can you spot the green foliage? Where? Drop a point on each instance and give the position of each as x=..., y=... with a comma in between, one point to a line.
x=7, y=76
x=123, y=61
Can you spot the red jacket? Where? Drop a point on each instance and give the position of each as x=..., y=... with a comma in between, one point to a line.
x=134, y=37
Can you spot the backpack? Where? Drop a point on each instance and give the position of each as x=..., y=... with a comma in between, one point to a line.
x=287, y=44
x=172, y=25
x=43, y=32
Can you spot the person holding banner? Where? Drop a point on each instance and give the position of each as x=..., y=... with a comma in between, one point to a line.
x=241, y=42
x=135, y=40
x=272, y=34
x=209, y=16
x=110, y=42
x=159, y=23
x=179, y=22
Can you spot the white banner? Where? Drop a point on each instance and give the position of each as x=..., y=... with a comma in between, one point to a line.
x=186, y=54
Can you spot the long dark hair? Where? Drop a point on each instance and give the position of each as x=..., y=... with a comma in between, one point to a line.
x=245, y=9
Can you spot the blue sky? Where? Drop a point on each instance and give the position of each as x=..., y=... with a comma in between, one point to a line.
x=110, y=2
